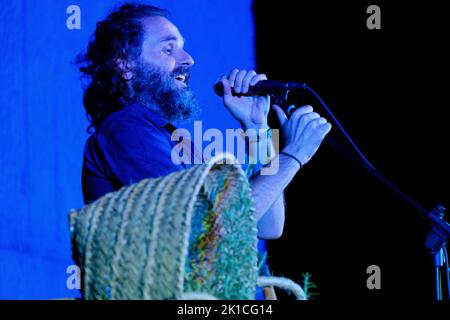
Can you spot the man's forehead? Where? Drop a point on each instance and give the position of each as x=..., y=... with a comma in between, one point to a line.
x=160, y=29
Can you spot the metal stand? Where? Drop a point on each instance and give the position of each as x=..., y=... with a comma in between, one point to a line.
x=438, y=263
x=436, y=240
x=440, y=232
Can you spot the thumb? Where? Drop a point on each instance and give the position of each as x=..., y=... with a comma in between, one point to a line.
x=227, y=94
x=226, y=86
x=280, y=114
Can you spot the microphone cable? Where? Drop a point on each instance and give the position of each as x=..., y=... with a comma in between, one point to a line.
x=409, y=200
x=341, y=128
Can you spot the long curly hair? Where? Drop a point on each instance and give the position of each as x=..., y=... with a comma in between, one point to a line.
x=119, y=36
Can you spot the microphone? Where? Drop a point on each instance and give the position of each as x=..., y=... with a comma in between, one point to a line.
x=263, y=87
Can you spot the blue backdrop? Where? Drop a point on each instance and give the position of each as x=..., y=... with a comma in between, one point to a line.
x=43, y=125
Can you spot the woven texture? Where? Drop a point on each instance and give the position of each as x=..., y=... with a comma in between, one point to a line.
x=192, y=231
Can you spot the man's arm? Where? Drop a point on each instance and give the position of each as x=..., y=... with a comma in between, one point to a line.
x=302, y=133
x=267, y=192
x=271, y=224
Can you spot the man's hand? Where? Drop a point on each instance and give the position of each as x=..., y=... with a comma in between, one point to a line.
x=250, y=111
x=303, y=132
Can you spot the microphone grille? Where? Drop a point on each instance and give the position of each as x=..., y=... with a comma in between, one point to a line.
x=218, y=88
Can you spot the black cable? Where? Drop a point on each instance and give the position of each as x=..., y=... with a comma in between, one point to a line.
x=341, y=128
x=388, y=183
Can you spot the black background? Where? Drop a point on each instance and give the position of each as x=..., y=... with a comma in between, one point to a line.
x=388, y=88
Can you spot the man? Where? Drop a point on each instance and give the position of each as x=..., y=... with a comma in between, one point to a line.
x=139, y=72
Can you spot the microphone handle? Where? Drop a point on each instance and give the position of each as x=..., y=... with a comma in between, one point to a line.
x=264, y=87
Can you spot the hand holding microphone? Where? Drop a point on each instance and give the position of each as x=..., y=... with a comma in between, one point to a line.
x=246, y=96
x=250, y=110
x=264, y=87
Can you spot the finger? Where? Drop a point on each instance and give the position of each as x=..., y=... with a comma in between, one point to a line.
x=307, y=118
x=246, y=81
x=258, y=78
x=280, y=114
x=313, y=118
x=301, y=111
x=238, y=81
x=313, y=121
x=320, y=121
x=305, y=122
x=226, y=87
x=232, y=76
x=324, y=129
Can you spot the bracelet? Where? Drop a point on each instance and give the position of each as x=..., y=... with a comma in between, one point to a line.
x=290, y=155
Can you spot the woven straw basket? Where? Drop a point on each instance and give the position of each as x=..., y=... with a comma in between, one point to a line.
x=185, y=234
x=188, y=235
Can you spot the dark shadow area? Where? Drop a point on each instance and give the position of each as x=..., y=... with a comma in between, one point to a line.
x=389, y=89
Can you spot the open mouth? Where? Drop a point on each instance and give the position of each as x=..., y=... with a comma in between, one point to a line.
x=182, y=78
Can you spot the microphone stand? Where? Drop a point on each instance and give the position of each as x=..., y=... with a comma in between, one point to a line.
x=440, y=229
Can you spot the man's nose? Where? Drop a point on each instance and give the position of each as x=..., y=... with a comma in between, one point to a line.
x=185, y=59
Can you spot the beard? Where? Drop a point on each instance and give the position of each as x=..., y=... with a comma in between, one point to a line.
x=157, y=90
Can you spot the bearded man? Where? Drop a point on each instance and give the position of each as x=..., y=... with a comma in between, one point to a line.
x=138, y=86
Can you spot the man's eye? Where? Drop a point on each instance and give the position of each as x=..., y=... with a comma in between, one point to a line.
x=168, y=50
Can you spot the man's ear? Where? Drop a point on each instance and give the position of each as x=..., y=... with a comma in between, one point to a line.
x=124, y=67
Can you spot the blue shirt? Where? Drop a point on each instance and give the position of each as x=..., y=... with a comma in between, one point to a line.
x=129, y=145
